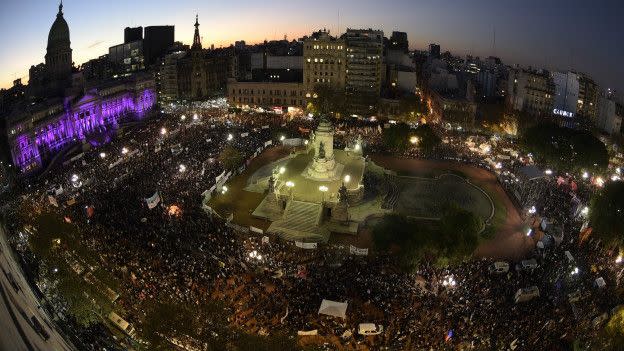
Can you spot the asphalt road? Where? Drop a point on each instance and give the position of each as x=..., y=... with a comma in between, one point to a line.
x=17, y=308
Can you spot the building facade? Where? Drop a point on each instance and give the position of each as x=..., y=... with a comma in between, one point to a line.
x=324, y=61
x=531, y=91
x=267, y=95
x=364, y=69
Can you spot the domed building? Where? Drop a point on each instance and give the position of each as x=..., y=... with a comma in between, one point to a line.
x=52, y=78
x=58, y=58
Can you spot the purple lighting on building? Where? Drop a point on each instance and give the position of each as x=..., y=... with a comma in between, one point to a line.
x=94, y=115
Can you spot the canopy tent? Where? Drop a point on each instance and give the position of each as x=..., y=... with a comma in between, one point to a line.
x=333, y=308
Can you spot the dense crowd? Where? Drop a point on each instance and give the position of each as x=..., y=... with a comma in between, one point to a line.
x=180, y=250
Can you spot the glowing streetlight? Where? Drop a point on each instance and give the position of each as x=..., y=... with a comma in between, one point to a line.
x=585, y=175
x=532, y=210
x=599, y=182
x=414, y=139
x=102, y=155
x=230, y=137
x=305, y=142
x=575, y=271
x=163, y=131
x=124, y=150
x=619, y=259
x=195, y=117
x=323, y=189
x=347, y=178
x=548, y=172
x=357, y=147
x=529, y=232
x=182, y=168
x=615, y=178
x=282, y=138
x=74, y=178
x=282, y=170
x=290, y=184
x=449, y=281
x=183, y=117
x=585, y=211
x=224, y=189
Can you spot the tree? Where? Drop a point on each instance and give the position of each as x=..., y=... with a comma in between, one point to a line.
x=607, y=213
x=428, y=139
x=411, y=107
x=328, y=99
x=230, y=158
x=566, y=149
x=396, y=138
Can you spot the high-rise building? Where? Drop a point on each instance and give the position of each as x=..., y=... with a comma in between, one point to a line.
x=128, y=57
x=324, y=61
x=566, y=93
x=434, y=51
x=589, y=93
x=156, y=42
x=609, y=115
x=531, y=91
x=364, y=69
x=398, y=41
x=133, y=34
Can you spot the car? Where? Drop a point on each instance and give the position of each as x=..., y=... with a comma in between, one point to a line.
x=39, y=328
x=499, y=267
x=526, y=265
x=370, y=329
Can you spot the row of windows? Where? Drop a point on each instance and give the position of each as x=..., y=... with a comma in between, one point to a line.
x=317, y=60
x=325, y=47
x=251, y=100
x=271, y=92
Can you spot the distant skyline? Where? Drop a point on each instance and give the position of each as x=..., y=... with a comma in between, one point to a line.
x=557, y=34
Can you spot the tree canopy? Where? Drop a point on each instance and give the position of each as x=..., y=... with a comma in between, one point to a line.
x=398, y=137
x=606, y=214
x=328, y=100
x=230, y=157
x=427, y=137
x=566, y=149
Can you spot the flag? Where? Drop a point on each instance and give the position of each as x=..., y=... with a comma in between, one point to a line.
x=153, y=200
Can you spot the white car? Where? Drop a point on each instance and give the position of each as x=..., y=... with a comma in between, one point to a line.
x=370, y=329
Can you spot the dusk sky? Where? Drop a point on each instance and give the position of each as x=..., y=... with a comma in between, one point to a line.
x=555, y=34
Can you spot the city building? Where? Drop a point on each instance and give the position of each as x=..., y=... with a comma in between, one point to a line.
x=434, y=51
x=98, y=69
x=133, y=34
x=195, y=74
x=281, y=97
x=566, y=93
x=157, y=40
x=589, y=93
x=363, y=70
x=531, y=91
x=324, y=60
x=70, y=111
x=398, y=41
x=609, y=115
x=128, y=57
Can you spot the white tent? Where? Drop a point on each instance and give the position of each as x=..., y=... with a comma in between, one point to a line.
x=333, y=308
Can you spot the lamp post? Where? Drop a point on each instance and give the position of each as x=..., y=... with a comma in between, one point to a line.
x=290, y=186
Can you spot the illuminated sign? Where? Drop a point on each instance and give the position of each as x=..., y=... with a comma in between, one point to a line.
x=563, y=113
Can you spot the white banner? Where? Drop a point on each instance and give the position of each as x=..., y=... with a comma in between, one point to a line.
x=357, y=251
x=153, y=200
x=307, y=246
x=218, y=178
x=270, y=142
x=52, y=200
x=265, y=127
x=307, y=332
x=256, y=230
x=244, y=134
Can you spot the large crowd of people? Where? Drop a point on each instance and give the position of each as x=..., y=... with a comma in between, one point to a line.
x=269, y=286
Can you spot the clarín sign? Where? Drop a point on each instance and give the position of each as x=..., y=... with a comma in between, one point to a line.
x=563, y=113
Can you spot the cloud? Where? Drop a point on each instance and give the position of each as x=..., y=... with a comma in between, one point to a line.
x=95, y=44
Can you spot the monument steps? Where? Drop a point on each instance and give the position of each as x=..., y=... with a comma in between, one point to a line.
x=300, y=222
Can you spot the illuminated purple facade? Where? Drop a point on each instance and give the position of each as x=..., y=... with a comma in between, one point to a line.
x=91, y=114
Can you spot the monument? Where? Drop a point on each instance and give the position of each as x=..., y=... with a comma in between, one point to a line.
x=323, y=166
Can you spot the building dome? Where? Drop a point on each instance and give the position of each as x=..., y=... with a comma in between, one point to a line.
x=59, y=33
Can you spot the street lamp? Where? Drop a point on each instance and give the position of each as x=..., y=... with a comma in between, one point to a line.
x=230, y=137
x=124, y=150
x=102, y=155
x=282, y=170
x=414, y=139
x=347, y=179
x=282, y=138
x=182, y=168
x=224, y=189
x=183, y=117
x=195, y=117
x=585, y=175
x=548, y=172
x=74, y=178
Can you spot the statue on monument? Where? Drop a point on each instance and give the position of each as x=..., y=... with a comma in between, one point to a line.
x=271, y=185
x=321, y=153
x=342, y=195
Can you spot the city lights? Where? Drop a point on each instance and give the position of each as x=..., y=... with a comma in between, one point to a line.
x=182, y=168
x=183, y=117
x=124, y=150
x=548, y=172
x=347, y=178
x=102, y=155
x=413, y=139
x=282, y=170
x=163, y=131
x=74, y=178
x=290, y=184
x=585, y=175
x=195, y=117
x=323, y=188
x=230, y=137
